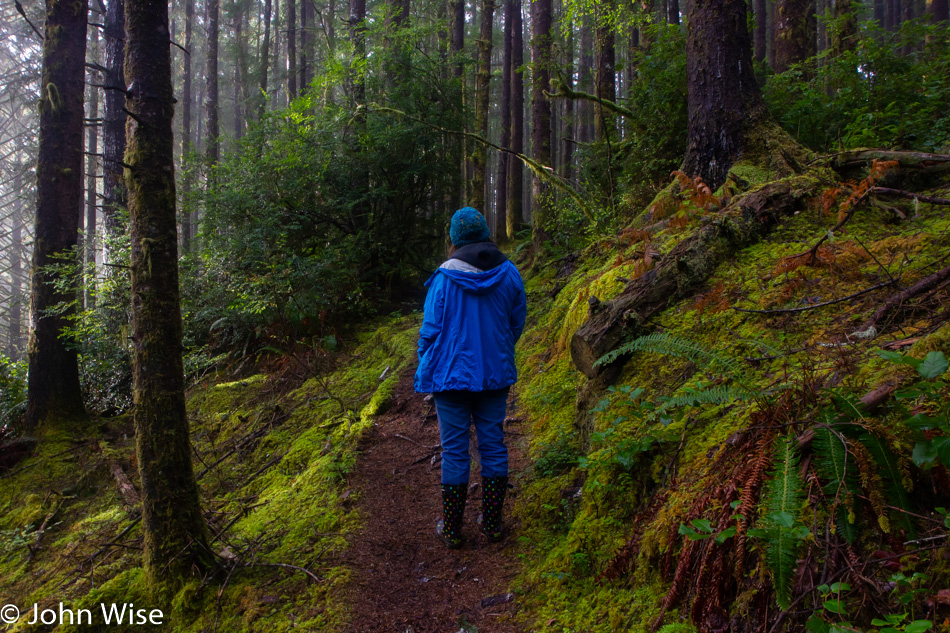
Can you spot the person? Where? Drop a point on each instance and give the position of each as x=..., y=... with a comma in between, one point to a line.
x=474, y=314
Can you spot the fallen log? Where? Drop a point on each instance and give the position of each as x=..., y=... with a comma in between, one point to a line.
x=896, y=301
x=928, y=163
x=745, y=221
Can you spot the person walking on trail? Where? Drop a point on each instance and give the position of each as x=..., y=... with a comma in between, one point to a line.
x=474, y=314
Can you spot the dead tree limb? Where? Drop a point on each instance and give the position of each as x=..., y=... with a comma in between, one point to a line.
x=897, y=301
x=887, y=191
x=129, y=494
x=820, y=305
x=928, y=163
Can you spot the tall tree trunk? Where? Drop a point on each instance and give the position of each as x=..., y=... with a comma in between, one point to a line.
x=458, y=35
x=845, y=32
x=241, y=41
x=482, y=87
x=92, y=180
x=175, y=545
x=940, y=11
x=213, y=131
x=265, y=58
x=540, y=111
x=893, y=17
x=606, y=82
x=674, y=12
x=15, y=323
x=586, y=81
x=186, y=141
x=358, y=38
x=722, y=95
x=515, y=216
x=113, y=126
x=568, y=138
x=53, y=383
x=761, y=20
x=500, y=228
x=304, y=45
x=291, y=50
x=794, y=32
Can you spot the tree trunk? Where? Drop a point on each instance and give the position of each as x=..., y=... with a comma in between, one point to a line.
x=186, y=141
x=305, y=40
x=53, y=384
x=92, y=181
x=568, y=137
x=358, y=38
x=606, y=81
x=723, y=98
x=15, y=324
x=794, y=32
x=893, y=18
x=585, y=82
x=880, y=13
x=458, y=35
x=113, y=126
x=844, y=35
x=761, y=20
x=213, y=130
x=940, y=10
x=291, y=50
x=175, y=546
x=515, y=216
x=500, y=228
x=265, y=58
x=239, y=71
x=674, y=12
x=540, y=111
x=482, y=87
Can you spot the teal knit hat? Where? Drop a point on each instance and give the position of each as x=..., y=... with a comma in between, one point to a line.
x=468, y=226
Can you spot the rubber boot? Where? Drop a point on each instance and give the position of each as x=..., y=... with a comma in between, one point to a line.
x=449, y=527
x=493, y=500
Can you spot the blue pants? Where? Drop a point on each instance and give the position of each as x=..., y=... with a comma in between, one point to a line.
x=456, y=411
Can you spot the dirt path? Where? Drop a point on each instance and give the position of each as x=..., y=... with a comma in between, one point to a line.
x=405, y=580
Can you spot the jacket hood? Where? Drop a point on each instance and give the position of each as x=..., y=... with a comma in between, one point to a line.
x=475, y=283
x=483, y=255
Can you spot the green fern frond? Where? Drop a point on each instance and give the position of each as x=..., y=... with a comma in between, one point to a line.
x=893, y=478
x=670, y=345
x=834, y=466
x=783, y=499
x=719, y=394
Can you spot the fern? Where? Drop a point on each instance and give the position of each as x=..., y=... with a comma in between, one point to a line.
x=833, y=465
x=890, y=471
x=783, y=499
x=670, y=345
x=719, y=394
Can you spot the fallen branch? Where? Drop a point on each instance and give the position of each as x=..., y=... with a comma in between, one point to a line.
x=312, y=576
x=887, y=191
x=819, y=305
x=924, y=285
x=39, y=533
x=129, y=494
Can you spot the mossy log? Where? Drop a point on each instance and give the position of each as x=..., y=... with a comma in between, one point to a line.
x=927, y=163
x=680, y=272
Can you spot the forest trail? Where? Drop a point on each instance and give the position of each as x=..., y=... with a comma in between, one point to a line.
x=404, y=579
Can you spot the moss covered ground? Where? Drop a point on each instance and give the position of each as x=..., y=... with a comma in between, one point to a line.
x=272, y=466
x=603, y=509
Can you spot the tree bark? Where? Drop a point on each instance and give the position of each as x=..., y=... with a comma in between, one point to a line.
x=265, y=58
x=795, y=26
x=844, y=35
x=606, y=82
x=515, y=216
x=678, y=273
x=722, y=95
x=585, y=82
x=211, y=103
x=479, y=154
x=540, y=110
x=175, y=545
x=358, y=38
x=186, y=140
x=113, y=126
x=53, y=383
x=940, y=11
x=500, y=228
x=239, y=70
x=458, y=35
x=92, y=182
x=761, y=20
x=291, y=50
x=15, y=324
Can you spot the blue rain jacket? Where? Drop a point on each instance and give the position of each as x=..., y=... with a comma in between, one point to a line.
x=471, y=322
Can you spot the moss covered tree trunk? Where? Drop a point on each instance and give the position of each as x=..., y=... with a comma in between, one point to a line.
x=795, y=29
x=175, y=534
x=724, y=101
x=211, y=104
x=605, y=83
x=540, y=110
x=500, y=226
x=53, y=388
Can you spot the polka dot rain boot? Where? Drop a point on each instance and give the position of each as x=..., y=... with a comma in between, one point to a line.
x=493, y=500
x=449, y=527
